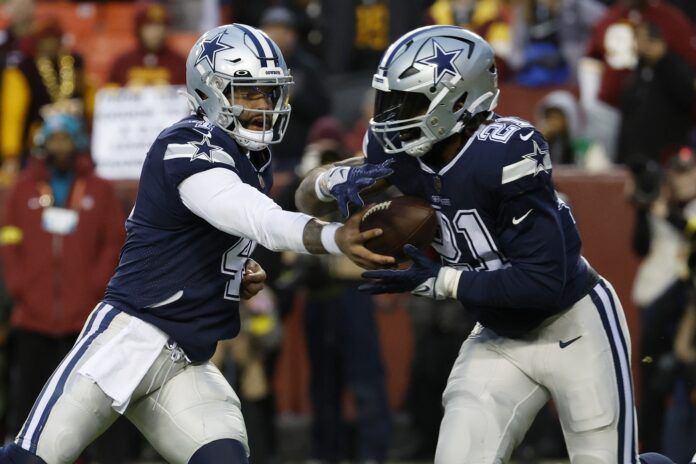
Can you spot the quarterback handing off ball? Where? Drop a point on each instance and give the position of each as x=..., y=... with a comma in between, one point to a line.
x=404, y=220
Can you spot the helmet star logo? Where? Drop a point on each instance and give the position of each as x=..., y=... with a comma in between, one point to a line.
x=442, y=61
x=210, y=47
x=204, y=150
x=540, y=157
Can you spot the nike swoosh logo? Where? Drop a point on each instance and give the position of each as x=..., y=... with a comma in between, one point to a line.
x=563, y=344
x=526, y=137
x=516, y=221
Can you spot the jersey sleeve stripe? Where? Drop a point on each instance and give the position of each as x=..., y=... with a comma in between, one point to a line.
x=177, y=150
x=522, y=168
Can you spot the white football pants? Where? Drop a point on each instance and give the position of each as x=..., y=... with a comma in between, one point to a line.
x=177, y=406
x=580, y=358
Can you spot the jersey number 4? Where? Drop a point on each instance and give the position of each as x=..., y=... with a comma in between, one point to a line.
x=233, y=262
x=465, y=242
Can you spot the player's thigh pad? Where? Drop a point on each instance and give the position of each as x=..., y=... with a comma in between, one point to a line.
x=195, y=407
x=71, y=410
x=590, y=379
x=489, y=404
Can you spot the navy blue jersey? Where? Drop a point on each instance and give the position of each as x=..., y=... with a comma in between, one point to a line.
x=176, y=271
x=501, y=222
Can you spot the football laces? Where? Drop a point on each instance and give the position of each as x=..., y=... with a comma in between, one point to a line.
x=378, y=207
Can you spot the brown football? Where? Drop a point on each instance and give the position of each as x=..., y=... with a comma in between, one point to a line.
x=404, y=220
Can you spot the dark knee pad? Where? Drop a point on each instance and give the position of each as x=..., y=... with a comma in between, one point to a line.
x=14, y=454
x=654, y=458
x=225, y=451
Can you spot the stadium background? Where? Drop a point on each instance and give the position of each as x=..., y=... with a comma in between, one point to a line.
x=345, y=39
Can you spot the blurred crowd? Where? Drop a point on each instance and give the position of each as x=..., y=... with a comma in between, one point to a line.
x=616, y=87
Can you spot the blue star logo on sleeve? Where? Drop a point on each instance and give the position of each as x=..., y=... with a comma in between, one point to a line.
x=442, y=61
x=540, y=157
x=204, y=150
x=210, y=47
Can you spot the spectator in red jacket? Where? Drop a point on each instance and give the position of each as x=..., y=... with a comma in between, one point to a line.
x=152, y=61
x=60, y=240
x=613, y=40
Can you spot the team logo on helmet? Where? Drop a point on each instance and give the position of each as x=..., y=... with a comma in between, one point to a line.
x=442, y=62
x=210, y=47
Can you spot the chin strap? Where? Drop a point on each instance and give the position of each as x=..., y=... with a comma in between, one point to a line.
x=249, y=138
x=421, y=149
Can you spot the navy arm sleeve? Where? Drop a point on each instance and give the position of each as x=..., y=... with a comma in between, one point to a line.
x=530, y=234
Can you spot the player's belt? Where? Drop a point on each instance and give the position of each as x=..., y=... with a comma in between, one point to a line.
x=593, y=279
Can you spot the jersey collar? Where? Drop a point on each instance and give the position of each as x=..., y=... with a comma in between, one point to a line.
x=454, y=160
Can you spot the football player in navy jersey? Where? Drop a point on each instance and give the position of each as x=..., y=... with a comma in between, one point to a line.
x=548, y=325
x=200, y=210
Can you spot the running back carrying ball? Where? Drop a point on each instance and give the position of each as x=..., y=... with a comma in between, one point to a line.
x=403, y=220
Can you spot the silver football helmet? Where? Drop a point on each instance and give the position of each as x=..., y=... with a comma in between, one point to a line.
x=242, y=58
x=429, y=84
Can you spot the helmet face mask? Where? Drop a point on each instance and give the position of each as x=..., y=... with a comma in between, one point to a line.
x=237, y=76
x=240, y=112
x=429, y=84
x=399, y=119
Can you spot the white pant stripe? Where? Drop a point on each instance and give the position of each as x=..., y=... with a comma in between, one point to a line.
x=624, y=376
x=33, y=421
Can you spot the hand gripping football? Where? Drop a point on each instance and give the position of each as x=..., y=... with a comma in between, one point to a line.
x=403, y=220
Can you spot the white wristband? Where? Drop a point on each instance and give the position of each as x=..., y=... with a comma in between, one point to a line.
x=447, y=282
x=319, y=187
x=328, y=180
x=328, y=238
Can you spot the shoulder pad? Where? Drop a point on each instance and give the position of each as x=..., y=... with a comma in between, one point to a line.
x=189, y=124
x=195, y=140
